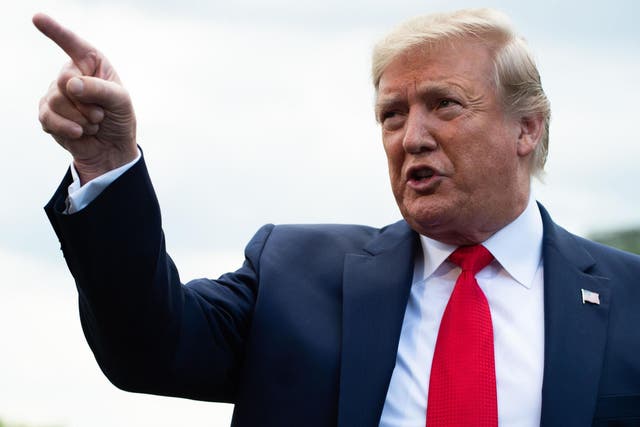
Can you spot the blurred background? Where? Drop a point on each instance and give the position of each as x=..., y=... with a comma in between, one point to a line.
x=259, y=111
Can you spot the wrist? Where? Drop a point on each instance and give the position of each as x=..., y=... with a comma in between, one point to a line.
x=89, y=169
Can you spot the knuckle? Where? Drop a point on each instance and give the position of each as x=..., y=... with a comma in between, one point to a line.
x=78, y=115
x=55, y=97
x=57, y=105
x=61, y=83
x=57, y=101
x=43, y=116
x=63, y=79
x=92, y=58
x=55, y=127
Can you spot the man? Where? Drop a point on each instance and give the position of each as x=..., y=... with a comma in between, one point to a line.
x=476, y=309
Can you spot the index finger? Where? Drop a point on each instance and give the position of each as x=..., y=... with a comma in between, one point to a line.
x=77, y=48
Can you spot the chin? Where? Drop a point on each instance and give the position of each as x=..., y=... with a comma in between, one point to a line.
x=423, y=218
x=432, y=214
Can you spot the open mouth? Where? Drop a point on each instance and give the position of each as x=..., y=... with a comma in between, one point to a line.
x=421, y=174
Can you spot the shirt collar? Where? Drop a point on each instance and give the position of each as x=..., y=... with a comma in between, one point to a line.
x=517, y=247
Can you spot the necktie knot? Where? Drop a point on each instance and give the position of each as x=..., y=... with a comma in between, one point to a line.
x=462, y=386
x=471, y=258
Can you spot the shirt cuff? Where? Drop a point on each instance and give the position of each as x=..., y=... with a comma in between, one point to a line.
x=79, y=196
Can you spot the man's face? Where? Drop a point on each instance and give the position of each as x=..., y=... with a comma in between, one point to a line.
x=458, y=166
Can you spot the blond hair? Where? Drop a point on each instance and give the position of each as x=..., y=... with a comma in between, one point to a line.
x=516, y=75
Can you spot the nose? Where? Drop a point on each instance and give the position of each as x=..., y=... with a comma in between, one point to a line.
x=417, y=136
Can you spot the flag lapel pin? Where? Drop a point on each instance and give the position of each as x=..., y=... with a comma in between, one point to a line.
x=590, y=297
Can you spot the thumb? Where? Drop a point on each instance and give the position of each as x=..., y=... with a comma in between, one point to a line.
x=93, y=90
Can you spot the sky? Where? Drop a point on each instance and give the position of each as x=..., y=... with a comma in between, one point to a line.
x=261, y=111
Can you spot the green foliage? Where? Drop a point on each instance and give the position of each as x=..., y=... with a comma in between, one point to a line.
x=12, y=424
x=627, y=240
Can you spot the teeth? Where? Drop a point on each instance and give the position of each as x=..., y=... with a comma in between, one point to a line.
x=423, y=173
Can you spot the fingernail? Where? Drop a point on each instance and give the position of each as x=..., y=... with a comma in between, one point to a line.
x=75, y=86
x=77, y=131
x=91, y=129
x=96, y=115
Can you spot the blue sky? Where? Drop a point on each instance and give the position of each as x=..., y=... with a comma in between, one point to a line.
x=262, y=112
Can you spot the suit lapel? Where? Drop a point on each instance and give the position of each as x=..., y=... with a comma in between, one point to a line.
x=575, y=333
x=376, y=286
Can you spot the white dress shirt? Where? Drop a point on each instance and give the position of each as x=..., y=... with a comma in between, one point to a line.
x=513, y=285
x=80, y=196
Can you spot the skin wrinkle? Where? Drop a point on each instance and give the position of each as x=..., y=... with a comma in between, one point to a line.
x=440, y=109
x=431, y=90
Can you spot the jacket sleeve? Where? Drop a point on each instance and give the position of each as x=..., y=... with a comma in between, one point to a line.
x=148, y=332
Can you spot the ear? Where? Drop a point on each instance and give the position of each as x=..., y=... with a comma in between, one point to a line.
x=530, y=134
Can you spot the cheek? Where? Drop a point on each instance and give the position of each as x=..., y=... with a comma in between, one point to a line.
x=395, y=155
x=485, y=166
x=395, y=159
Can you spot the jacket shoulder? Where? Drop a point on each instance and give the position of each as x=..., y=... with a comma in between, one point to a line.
x=613, y=259
x=595, y=257
x=342, y=237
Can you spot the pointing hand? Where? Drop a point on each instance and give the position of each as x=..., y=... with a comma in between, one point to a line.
x=86, y=109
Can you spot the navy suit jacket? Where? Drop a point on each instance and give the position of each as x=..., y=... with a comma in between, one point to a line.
x=305, y=333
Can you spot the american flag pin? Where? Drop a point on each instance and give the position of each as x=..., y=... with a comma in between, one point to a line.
x=590, y=297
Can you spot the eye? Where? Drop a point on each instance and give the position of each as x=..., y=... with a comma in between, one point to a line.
x=446, y=102
x=387, y=115
x=391, y=119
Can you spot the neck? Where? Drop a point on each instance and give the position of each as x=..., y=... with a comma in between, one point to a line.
x=480, y=228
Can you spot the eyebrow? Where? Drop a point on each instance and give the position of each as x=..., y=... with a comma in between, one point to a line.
x=427, y=90
x=386, y=103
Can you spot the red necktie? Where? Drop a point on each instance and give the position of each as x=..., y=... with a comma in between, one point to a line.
x=462, y=387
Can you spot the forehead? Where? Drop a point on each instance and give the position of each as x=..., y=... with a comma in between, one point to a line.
x=465, y=63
